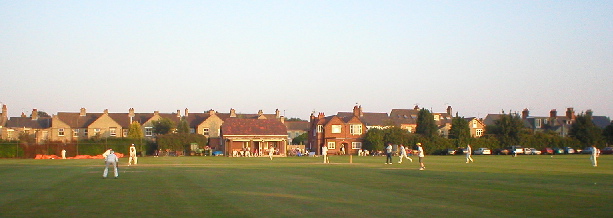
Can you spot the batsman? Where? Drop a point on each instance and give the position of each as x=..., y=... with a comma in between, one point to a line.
x=133, y=157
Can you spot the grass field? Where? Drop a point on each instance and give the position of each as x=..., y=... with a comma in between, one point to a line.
x=493, y=186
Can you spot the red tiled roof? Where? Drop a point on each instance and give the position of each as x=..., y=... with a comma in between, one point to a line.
x=237, y=126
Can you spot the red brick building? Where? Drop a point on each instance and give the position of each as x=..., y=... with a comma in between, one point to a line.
x=341, y=134
x=256, y=135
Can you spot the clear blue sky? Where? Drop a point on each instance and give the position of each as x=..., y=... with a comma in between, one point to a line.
x=479, y=57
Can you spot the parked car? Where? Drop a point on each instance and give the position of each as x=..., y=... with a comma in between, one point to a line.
x=558, y=151
x=607, y=150
x=450, y=151
x=586, y=150
x=569, y=150
x=501, y=151
x=526, y=151
x=461, y=151
x=483, y=151
x=535, y=152
x=547, y=151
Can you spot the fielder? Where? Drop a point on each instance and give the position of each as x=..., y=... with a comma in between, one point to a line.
x=469, y=152
x=403, y=153
x=111, y=159
x=420, y=154
x=271, y=151
x=132, y=156
x=324, y=152
x=106, y=153
x=595, y=154
x=63, y=154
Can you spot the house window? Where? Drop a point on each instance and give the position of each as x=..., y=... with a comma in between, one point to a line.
x=356, y=145
x=336, y=128
x=60, y=132
x=355, y=129
x=331, y=145
x=545, y=121
x=9, y=134
x=113, y=131
x=320, y=128
x=75, y=132
x=96, y=131
x=479, y=133
x=538, y=123
x=192, y=130
x=474, y=124
x=205, y=131
x=148, y=131
x=125, y=132
x=85, y=132
x=436, y=117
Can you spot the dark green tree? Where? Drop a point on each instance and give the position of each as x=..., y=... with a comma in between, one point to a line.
x=163, y=126
x=373, y=139
x=460, y=131
x=395, y=135
x=183, y=126
x=295, y=119
x=608, y=134
x=508, y=129
x=425, y=124
x=299, y=140
x=135, y=131
x=584, y=130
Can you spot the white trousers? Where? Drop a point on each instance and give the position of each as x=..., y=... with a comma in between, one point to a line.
x=106, y=169
x=132, y=158
x=594, y=161
x=405, y=156
x=469, y=158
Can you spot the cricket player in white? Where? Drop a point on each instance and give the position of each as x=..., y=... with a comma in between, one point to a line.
x=106, y=153
x=271, y=151
x=421, y=155
x=324, y=152
x=403, y=153
x=132, y=156
x=111, y=159
x=595, y=154
x=469, y=152
x=63, y=154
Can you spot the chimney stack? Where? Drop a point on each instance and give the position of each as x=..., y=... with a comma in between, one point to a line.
x=106, y=111
x=211, y=112
x=277, y=113
x=525, y=113
x=178, y=113
x=570, y=113
x=232, y=112
x=553, y=113
x=186, y=112
x=34, y=114
x=82, y=112
x=449, y=110
x=131, y=114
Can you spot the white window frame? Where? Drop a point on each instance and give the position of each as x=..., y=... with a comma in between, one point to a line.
x=474, y=124
x=320, y=128
x=331, y=145
x=125, y=132
x=113, y=131
x=355, y=129
x=148, y=131
x=479, y=132
x=538, y=123
x=60, y=132
x=356, y=145
x=206, y=131
x=75, y=133
x=336, y=129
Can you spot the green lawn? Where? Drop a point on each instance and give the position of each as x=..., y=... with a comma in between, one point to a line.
x=493, y=186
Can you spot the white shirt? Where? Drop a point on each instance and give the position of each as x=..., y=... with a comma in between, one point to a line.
x=420, y=150
x=324, y=150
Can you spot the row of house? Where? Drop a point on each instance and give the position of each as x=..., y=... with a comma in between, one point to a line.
x=225, y=131
x=231, y=132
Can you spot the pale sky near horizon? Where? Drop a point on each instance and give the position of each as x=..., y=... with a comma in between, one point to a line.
x=479, y=57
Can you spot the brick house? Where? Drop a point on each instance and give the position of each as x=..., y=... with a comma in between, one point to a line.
x=256, y=135
x=338, y=133
x=35, y=127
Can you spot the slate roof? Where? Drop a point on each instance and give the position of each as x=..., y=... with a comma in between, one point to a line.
x=297, y=125
x=369, y=118
x=238, y=126
x=27, y=122
x=75, y=120
x=601, y=121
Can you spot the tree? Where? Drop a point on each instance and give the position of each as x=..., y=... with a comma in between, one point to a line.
x=162, y=126
x=508, y=129
x=135, y=131
x=183, y=126
x=425, y=124
x=608, y=134
x=299, y=140
x=373, y=139
x=395, y=135
x=584, y=130
x=295, y=119
x=41, y=114
x=460, y=131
